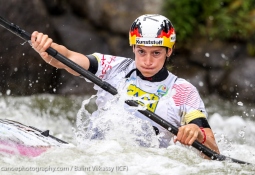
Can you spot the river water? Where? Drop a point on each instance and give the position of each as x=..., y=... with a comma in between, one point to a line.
x=116, y=148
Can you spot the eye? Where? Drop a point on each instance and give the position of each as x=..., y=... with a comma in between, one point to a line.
x=156, y=53
x=140, y=51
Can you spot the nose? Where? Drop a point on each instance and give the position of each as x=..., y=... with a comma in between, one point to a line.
x=148, y=60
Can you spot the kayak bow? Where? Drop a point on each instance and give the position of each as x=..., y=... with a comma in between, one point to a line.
x=19, y=139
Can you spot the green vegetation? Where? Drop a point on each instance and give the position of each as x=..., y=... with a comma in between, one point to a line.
x=225, y=19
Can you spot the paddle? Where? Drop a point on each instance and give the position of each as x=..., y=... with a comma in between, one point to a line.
x=112, y=90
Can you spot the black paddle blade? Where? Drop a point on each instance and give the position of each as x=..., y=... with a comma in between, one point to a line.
x=14, y=29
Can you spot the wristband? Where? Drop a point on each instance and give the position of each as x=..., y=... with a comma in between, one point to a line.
x=203, y=131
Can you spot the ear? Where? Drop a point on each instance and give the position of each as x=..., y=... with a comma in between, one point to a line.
x=133, y=48
x=169, y=52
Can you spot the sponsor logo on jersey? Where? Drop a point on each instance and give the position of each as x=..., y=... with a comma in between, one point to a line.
x=162, y=90
x=132, y=78
x=150, y=99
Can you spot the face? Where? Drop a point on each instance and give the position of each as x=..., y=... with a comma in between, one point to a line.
x=150, y=59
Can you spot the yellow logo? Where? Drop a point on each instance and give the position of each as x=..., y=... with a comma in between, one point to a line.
x=132, y=90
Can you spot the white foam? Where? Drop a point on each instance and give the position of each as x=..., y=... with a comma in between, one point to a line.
x=120, y=146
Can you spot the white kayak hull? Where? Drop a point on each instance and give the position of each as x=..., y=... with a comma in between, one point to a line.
x=19, y=139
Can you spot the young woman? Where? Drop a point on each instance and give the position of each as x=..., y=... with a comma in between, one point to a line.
x=152, y=38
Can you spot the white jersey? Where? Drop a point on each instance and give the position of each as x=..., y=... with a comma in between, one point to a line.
x=173, y=99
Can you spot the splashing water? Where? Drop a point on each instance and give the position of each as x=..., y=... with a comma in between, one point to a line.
x=113, y=122
x=111, y=138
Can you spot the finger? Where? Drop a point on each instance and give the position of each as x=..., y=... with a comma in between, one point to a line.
x=45, y=56
x=175, y=140
x=33, y=36
x=193, y=138
x=36, y=40
x=185, y=140
x=41, y=40
x=186, y=136
x=179, y=134
x=46, y=45
x=182, y=135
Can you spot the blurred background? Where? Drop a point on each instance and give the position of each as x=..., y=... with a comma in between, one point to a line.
x=215, y=48
x=215, y=51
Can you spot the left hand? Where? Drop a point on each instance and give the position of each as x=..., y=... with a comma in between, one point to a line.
x=187, y=134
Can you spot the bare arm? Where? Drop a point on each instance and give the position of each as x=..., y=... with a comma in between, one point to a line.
x=41, y=42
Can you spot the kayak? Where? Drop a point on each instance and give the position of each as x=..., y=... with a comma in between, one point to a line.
x=19, y=139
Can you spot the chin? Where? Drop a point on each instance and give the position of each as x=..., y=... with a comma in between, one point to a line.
x=147, y=74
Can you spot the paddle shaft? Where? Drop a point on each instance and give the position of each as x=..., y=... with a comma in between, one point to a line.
x=112, y=90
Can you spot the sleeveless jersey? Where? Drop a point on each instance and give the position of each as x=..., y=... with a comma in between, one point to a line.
x=173, y=99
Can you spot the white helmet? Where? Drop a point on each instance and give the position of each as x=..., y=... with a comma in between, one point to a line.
x=152, y=30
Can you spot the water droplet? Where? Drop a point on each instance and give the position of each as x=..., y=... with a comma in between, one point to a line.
x=8, y=92
x=242, y=133
x=240, y=103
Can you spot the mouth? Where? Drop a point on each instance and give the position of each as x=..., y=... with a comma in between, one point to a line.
x=147, y=68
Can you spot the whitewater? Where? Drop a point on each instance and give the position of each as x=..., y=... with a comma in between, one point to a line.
x=112, y=141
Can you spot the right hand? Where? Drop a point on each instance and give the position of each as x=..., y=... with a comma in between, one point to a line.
x=40, y=43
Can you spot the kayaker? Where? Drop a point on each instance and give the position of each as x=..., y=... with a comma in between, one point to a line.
x=152, y=38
